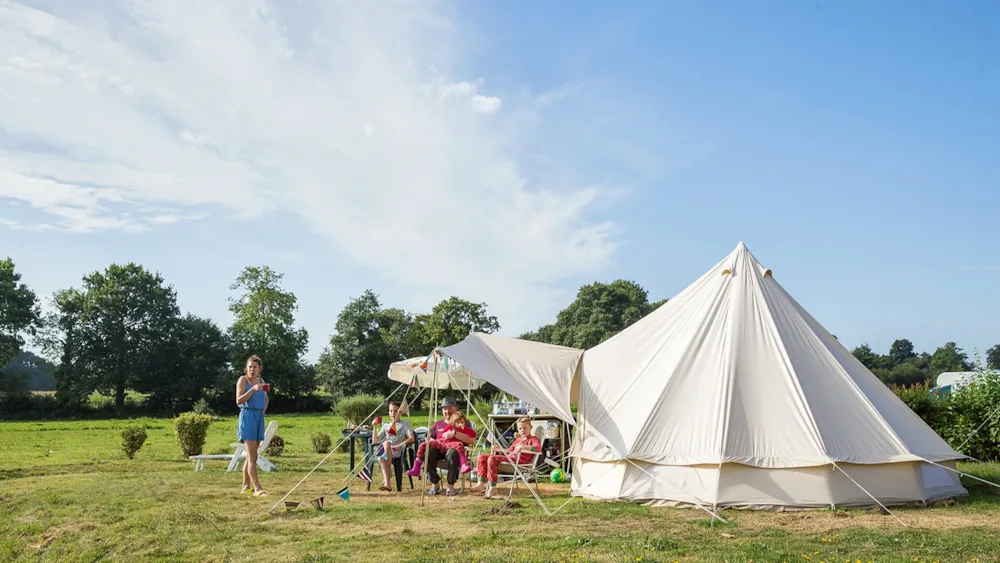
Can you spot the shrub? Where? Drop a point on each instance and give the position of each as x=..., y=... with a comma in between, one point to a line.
x=276, y=446
x=927, y=404
x=191, y=429
x=321, y=442
x=968, y=408
x=133, y=437
x=355, y=409
x=201, y=407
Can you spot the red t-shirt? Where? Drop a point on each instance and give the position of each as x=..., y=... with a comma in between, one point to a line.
x=530, y=441
x=442, y=426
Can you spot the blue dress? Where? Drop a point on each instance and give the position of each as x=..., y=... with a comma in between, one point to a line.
x=251, y=423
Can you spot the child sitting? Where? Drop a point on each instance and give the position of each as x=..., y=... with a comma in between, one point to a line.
x=489, y=464
x=456, y=423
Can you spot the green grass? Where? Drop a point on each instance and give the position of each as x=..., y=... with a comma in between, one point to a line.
x=67, y=493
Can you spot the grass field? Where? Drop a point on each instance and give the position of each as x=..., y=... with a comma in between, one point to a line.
x=67, y=493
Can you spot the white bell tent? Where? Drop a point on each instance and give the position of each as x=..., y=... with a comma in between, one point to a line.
x=728, y=395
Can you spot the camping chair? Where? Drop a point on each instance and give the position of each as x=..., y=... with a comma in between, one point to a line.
x=400, y=464
x=531, y=470
x=240, y=453
x=442, y=464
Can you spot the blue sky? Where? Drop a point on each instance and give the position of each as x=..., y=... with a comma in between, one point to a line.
x=509, y=153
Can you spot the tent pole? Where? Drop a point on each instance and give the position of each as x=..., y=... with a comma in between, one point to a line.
x=431, y=415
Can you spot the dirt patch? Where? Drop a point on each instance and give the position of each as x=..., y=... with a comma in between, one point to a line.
x=52, y=534
x=820, y=522
x=502, y=509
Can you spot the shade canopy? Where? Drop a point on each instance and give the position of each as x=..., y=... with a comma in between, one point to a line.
x=450, y=373
x=541, y=374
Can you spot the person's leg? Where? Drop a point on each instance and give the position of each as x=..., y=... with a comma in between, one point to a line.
x=246, y=477
x=433, y=456
x=463, y=461
x=493, y=473
x=251, y=467
x=419, y=461
x=481, y=462
x=386, y=472
x=453, y=465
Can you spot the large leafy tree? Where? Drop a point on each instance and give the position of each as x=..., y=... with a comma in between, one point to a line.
x=600, y=311
x=993, y=357
x=366, y=339
x=452, y=320
x=63, y=342
x=264, y=319
x=19, y=311
x=129, y=315
x=197, y=356
x=901, y=351
x=949, y=358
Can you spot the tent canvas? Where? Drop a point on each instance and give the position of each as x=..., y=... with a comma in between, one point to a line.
x=731, y=395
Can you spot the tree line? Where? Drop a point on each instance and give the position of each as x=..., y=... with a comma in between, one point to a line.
x=121, y=330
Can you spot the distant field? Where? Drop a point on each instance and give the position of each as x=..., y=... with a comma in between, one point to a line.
x=67, y=493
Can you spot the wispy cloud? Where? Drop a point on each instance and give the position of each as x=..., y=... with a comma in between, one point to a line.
x=127, y=115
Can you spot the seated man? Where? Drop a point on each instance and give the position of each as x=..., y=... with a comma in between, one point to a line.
x=448, y=408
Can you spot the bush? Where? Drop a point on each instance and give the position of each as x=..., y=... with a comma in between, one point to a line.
x=191, y=429
x=355, y=409
x=927, y=404
x=276, y=447
x=201, y=407
x=968, y=408
x=133, y=437
x=321, y=442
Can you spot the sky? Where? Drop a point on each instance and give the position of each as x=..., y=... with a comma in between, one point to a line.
x=510, y=152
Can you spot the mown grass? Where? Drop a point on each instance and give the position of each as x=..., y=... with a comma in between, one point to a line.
x=67, y=493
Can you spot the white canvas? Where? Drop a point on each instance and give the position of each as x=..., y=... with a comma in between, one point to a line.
x=729, y=394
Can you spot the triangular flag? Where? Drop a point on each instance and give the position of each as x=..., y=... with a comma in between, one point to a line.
x=413, y=380
x=423, y=366
x=446, y=363
x=344, y=494
x=392, y=429
x=365, y=474
x=380, y=452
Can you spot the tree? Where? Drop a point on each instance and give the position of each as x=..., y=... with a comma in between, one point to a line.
x=62, y=341
x=949, y=358
x=599, y=311
x=452, y=320
x=993, y=357
x=263, y=325
x=365, y=341
x=128, y=315
x=197, y=355
x=900, y=351
x=34, y=372
x=19, y=311
x=871, y=360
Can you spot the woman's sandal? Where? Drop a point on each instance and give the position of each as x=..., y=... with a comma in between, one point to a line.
x=384, y=488
x=260, y=493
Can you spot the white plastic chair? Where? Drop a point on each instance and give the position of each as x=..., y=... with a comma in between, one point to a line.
x=240, y=453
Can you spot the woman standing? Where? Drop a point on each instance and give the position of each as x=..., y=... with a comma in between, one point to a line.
x=251, y=397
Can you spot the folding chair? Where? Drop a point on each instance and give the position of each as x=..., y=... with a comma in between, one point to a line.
x=240, y=454
x=531, y=471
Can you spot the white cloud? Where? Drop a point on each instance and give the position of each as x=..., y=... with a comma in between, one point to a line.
x=124, y=115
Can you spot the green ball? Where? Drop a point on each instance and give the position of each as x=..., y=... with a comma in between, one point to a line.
x=557, y=476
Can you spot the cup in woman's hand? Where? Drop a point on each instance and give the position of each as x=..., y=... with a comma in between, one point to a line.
x=265, y=387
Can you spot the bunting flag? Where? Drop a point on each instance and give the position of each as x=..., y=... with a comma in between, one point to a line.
x=423, y=366
x=446, y=363
x=392, y=428
x=413, y=381
x=380, y=452
x=345, y=494
x=365, y=474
